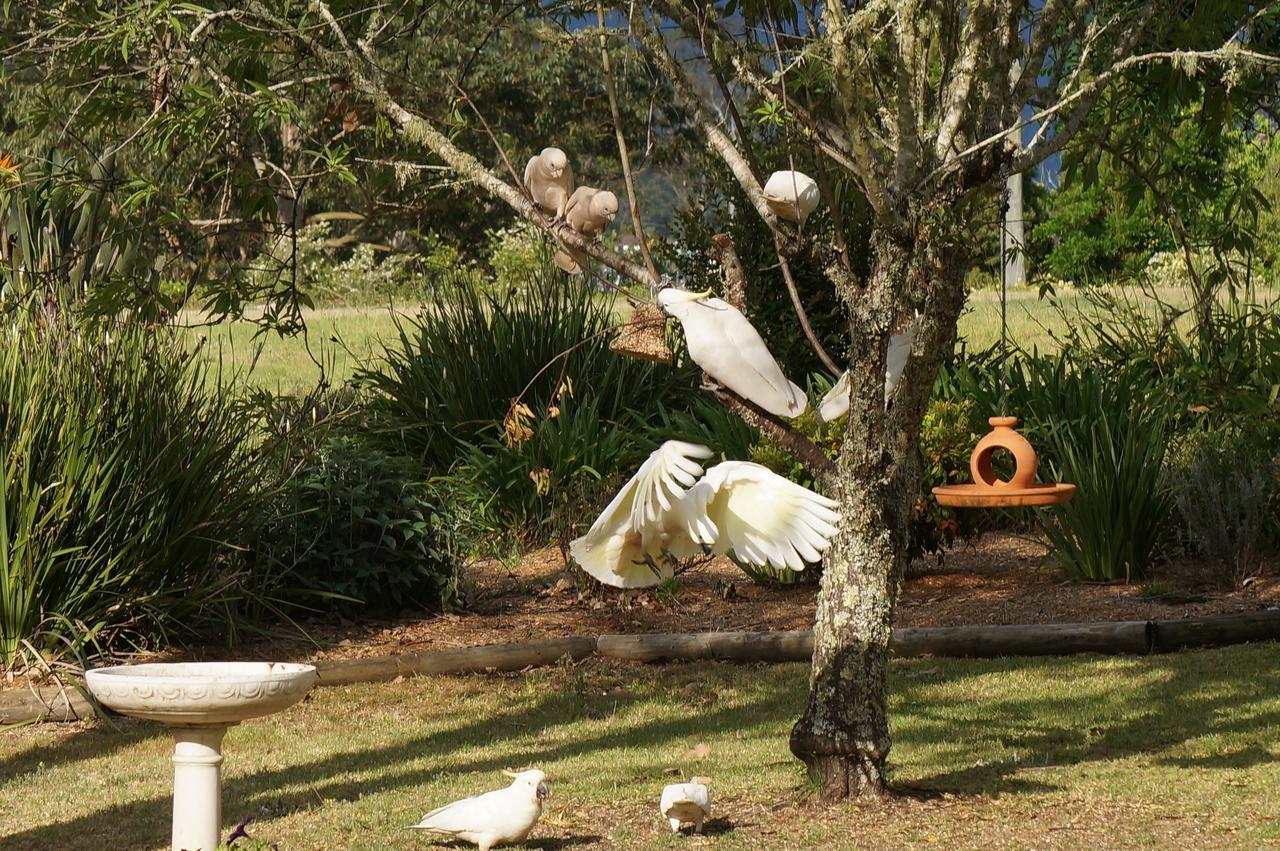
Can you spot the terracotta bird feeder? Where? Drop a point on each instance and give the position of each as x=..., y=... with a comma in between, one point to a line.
x=989, y=491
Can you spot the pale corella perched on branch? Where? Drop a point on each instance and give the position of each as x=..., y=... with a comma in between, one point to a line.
x=588, y=212
x=835, y=404
x=549, y=179
x=501, y=817
x=791, y=195
x=729, y=349
x=665, y=513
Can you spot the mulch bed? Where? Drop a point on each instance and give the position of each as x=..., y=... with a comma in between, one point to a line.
x=1001, y=579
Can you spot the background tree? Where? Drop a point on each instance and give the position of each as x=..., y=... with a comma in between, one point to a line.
x=921, y=107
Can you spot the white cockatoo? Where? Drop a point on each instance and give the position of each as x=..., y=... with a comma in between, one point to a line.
x=549, y=180
x=588, y=212
x=731, y=351
x=686, y=803
x=666, y=513
x=835, y=404
x=792, y=195
x=501, y=817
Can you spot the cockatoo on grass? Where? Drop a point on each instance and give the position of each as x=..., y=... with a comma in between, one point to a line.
x=835, y=404
x=686, y=803
x=588, y=212
x=549, y=180
x=666, y=513
x=792, y=195
x=502, y=817
x=731, y=351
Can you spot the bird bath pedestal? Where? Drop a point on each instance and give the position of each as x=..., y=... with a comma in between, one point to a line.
x=198, y=701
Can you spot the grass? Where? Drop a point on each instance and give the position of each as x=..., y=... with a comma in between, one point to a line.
x=1180, y=750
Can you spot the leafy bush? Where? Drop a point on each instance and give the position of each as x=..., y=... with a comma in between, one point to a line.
x=1108, y=436
x=459, y=372
x=946, y=441
x=127, y=485
x=1225, y=484
x=353, y=527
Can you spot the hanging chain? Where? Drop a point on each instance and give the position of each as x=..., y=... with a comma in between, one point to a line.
x=1004, y=292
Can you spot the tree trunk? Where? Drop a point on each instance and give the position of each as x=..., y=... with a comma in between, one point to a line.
x=843, y=736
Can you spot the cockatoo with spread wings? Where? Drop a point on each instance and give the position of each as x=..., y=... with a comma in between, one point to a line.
x=501, y=817
x=792, y=195
x=835, y=404
x=729, y=349
x=549, y=179
x=667, y=513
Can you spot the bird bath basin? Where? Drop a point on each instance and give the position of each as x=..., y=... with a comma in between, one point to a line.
x=198, y=701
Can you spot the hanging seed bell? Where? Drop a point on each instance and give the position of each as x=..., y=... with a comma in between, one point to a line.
x=644, y=335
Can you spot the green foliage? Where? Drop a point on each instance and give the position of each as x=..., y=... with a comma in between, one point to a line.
x=127, y=486
x=469, y=361
x=353, y=526
x=946, y=440
x=1088, y=237
x=1225, y=484
x=1108, y=435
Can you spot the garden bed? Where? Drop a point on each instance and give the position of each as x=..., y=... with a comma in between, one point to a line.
x=1002, y=579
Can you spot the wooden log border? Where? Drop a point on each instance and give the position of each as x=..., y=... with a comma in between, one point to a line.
x=1059, y=639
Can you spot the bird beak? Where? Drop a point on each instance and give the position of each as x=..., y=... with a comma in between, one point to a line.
x=543, y=791
x=611, y=215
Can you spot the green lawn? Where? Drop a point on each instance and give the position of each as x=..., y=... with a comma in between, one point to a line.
x=1177, y=751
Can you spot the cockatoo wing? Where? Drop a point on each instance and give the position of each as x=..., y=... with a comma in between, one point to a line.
x=501, y=816
x=835, y=404
x=759, y=516
x=725, y=344
x=633, y=524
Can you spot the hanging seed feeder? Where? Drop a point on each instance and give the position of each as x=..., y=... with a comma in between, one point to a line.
x=644, y=335
x=1021, y=489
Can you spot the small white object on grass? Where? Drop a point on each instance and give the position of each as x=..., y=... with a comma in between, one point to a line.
x=686, y=803
x=792, y=195
x=501, y=817
x=728, y=348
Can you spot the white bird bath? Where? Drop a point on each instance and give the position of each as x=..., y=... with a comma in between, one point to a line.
x=198, y=701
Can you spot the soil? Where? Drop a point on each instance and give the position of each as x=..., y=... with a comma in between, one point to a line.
x=1001, y=579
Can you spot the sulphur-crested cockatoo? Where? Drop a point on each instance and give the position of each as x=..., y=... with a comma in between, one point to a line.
x=549, y=179
x=730, y=350
x=792, y=195
x=835, y=404
x=686, y=803
x=588, y=212
x=666, y=513
x=502, y=817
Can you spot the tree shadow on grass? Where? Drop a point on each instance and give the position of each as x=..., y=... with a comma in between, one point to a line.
x=1185, y=696
x=304, y=786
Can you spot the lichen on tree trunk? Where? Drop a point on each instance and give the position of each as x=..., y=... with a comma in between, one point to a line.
x=843, y=735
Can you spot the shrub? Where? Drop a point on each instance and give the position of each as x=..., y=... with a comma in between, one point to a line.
x=1224, y=482
x=353, y=527
x=127, y=485
x=1108, y=436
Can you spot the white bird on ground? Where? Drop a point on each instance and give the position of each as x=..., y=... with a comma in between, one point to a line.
x=549, y=179
x=835, y=404
x=666, y=513
x=792, y=195
x=686, y=803
x=588, y=212
x=501, y=817
x=731, y=351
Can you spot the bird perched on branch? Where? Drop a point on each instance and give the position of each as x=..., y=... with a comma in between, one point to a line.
x=729, y=349
x=686, y=803
x=666, y=513
x=792, y=195
x=501, y=817
x=588, y=212
x=549, y=180
x=835, y=404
